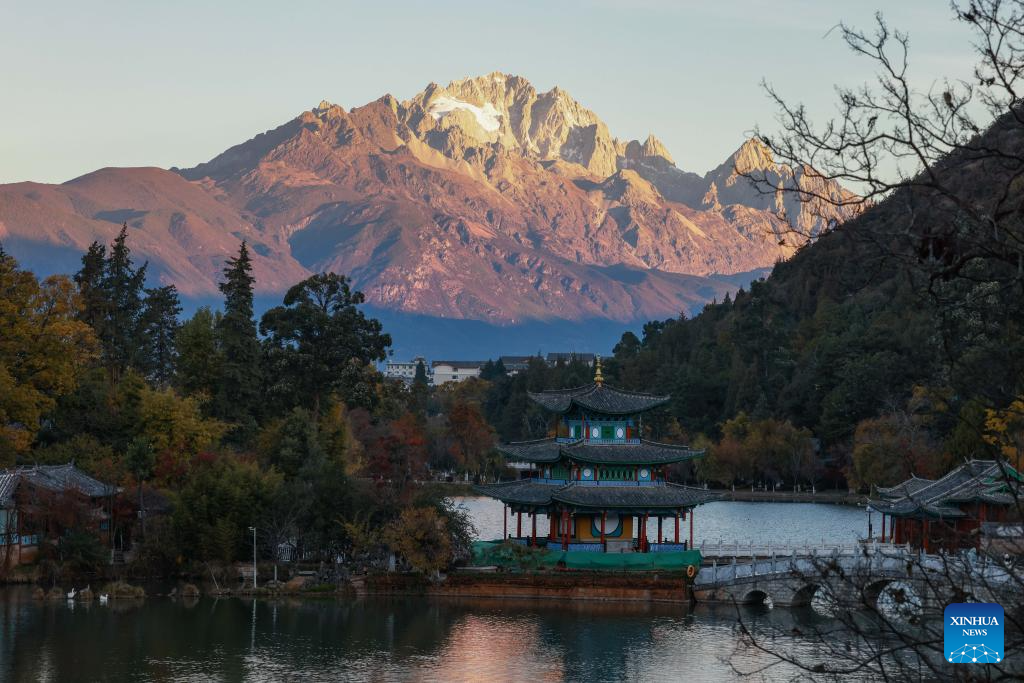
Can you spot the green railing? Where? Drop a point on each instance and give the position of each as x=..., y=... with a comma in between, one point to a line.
x=512, y=556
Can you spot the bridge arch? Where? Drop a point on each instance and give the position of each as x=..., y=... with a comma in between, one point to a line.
x=755, y=596
x=803, y=596
x=900, y=595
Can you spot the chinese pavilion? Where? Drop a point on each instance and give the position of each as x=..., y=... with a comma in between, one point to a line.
x=598, y=481
x=948, y=513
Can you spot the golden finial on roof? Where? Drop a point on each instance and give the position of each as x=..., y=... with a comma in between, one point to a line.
x=598, y=377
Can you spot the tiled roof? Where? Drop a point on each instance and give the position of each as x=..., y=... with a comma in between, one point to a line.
x=53, y=478
x=908, y=487
x=541, y=450
x=976, y=480
x=598, y=398
x=8, y=483
x=621, y=496
x=638, y=497
x=642, y=453
x=525, y=491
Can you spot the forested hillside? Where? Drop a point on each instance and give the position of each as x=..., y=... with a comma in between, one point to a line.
x=895, y=339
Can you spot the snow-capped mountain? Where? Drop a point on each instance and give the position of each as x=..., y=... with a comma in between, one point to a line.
x=483, y=199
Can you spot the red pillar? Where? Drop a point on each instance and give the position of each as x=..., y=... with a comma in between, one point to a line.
x=604, y=516
x=644, y=543
x=690, y=547
x=504, y=522
x=565, y=529
x=519, y=524
x=883, y=527
x=659, y=528
x=534, y=516
x=677, y=526
x=926, y=532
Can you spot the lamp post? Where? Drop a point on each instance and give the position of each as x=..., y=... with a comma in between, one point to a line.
x=253, y=530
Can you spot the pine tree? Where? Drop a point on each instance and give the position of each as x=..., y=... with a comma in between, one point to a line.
x=421, y=373
x=122, y=289
x=238, y=392
x=158, y=329
x=90, y=285
x=199, y=359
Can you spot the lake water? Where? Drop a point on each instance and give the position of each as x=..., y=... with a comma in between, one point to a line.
x=419, y=639
x=383, y=640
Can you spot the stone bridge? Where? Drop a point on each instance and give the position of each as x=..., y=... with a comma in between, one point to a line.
x=853, y=580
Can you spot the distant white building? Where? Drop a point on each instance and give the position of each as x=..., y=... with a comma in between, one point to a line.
x=454, y=370
x=406, y=371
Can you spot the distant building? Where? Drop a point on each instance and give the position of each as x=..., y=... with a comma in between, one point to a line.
x=556, y=358
x=406, y=371
x=454, y=370
x=32, y=497
x=948, y=513
x=516, y=364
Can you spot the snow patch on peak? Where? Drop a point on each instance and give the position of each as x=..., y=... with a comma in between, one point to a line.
x=487, y=116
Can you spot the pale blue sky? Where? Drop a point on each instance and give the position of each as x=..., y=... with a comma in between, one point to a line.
x=91, y=84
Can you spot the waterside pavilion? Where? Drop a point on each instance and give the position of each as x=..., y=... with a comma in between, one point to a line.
x=948, y=513
x=598, y=480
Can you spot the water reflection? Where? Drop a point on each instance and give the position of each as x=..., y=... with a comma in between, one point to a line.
x=386, y=640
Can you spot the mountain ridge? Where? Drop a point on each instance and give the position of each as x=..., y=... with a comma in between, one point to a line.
x=483, y=199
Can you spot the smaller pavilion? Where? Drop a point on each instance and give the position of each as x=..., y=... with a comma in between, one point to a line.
x=598, y=480
x=947, y=513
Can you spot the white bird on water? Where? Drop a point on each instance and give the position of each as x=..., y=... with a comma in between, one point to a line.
x=71, y=595
x=103, y=598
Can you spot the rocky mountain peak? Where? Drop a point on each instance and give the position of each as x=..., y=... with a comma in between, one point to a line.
x=753, y=155
x=653, y=147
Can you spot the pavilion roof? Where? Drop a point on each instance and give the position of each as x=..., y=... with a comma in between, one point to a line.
x=597, y=496
x=642, y=453
x=985, y=481
x=57, y=478
x=598, y=397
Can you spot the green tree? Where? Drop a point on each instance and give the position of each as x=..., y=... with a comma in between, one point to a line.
x=159, y=326
x=220, y=500
x=238, y=392
x=200, y=359
x=319, y=342
x=419, y=392
x=90, y=286
x=493, y=370
x=291, y=443
x=107, y=412
x=140, y=460
x=123, y=288
x=421, y=374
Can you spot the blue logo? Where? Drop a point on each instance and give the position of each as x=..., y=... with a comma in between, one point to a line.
x=973, y=633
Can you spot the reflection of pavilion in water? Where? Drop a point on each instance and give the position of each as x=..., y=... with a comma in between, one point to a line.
x=598, y=480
